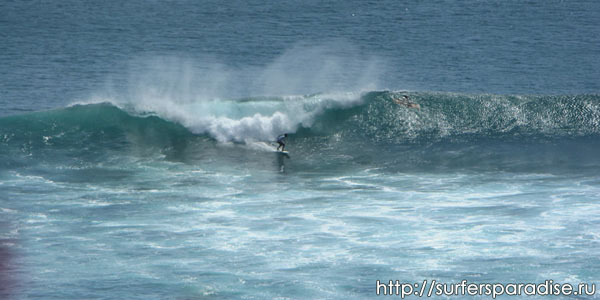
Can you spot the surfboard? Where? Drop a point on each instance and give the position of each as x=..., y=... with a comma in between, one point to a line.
x=282, y=152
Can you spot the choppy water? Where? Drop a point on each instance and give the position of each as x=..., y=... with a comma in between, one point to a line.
x=136, y=147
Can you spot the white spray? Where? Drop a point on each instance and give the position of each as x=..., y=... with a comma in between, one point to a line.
x=200, y=93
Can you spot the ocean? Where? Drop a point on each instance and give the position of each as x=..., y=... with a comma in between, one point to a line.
x=137, y=153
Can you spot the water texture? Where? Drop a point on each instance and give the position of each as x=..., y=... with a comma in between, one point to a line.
x=137, y=153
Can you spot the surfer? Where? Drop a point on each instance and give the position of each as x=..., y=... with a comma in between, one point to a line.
x=406, y=102
x=281, y=142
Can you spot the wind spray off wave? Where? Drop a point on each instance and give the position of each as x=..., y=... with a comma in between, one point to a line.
x=204, y=95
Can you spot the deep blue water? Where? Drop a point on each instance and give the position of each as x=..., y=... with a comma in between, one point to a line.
x=137, y=157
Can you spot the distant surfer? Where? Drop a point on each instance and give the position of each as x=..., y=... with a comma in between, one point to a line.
x=406, y=102
x=281, y=142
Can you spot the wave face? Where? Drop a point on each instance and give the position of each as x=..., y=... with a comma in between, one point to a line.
x=369, y=125
x=460, y=117
x=82, y=133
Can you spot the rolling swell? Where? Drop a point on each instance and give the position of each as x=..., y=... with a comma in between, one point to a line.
x=463, y=118
x=84, y=133
x=450, y=130
x=457, y=131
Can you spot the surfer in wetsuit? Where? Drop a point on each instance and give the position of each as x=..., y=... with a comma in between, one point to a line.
x=281, y=141
x=406, y=102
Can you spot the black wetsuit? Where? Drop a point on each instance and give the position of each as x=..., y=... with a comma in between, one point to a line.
x=281, y=142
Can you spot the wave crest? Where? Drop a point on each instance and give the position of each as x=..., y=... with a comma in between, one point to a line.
x=354, y=117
